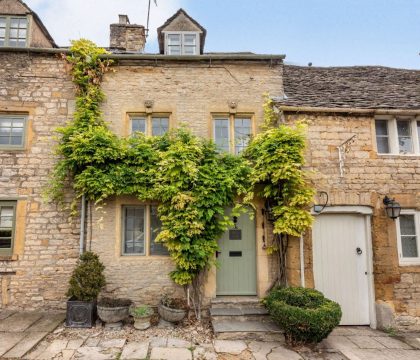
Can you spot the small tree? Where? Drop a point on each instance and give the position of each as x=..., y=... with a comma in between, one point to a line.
x=87, y=279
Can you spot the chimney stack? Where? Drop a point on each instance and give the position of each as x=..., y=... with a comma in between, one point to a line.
x=127, y=37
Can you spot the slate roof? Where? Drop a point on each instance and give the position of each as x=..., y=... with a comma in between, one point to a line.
x=357, y=87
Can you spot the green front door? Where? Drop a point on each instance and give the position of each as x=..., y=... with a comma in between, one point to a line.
x=236, y=271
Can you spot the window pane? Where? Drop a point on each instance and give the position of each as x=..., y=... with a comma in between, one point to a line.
x=382, y=137
x=6, y=217
x=221, y=134
x=404, y=136
x=418, y=132
x=138, y=124
x=189, y=39
x=134, y=230
x=160, y=126
x=174, y=39
x=408, y=236
x=2, y=22
x=174, y=50
x=155, y=226
x=4, y=242
x=242, y=134
x=189, y=50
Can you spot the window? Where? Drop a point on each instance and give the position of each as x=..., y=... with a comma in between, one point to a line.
x=141, y=225
x=13, y=31
x=232, y=133
x=183, y=43
x=400, y=135
x=12, y=131
x=408, y=226
x=7, y=226
x=149, y=124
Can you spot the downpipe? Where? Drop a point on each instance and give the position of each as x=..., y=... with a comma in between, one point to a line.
x=82, y=225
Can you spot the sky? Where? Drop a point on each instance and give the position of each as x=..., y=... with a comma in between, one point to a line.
x=323, y=32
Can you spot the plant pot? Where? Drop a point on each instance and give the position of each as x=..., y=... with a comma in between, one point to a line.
x=171, y=315
x=81, y=314
x=142, y=323
x=113, y=314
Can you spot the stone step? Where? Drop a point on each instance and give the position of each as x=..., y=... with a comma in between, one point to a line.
x=235, y=301
x=240, y=314
x=247, y=330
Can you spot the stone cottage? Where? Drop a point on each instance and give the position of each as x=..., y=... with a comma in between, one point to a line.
x=363, y=145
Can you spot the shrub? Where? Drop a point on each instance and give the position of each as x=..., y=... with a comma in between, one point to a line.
x=87, y=279
x=305, y=315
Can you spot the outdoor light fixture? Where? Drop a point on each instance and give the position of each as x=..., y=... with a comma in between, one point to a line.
x=319, y=207
x=268, y=210
x=393, y=208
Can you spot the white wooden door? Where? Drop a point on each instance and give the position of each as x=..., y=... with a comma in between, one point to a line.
x=340, y=264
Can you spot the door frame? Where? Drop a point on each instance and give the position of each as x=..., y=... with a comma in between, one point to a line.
x=366, y=212
x=254, y=220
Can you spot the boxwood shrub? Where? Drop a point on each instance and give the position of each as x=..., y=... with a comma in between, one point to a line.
x=305, y=315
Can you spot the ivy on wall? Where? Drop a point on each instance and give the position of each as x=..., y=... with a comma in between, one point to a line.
x=187, y=175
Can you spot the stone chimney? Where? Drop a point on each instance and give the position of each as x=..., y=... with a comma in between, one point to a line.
x=127, y=37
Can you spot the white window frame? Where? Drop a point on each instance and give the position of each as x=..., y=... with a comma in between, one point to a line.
x=7, y=29
x=394, y=148
x=405, y=261
x=182, y=45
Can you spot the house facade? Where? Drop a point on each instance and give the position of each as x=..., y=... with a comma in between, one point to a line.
x=363, y=145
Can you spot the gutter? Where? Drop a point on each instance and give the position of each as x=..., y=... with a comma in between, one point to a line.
x=359, y=111
x=157, y=57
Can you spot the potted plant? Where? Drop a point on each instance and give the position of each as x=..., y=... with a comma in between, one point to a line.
x=113, y=311
x=86, y=282
x=142, y=315
x=172, y=309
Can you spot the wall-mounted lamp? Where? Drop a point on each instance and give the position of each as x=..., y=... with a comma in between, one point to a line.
x=319, y=207
x=268, y=211
x=393, y=208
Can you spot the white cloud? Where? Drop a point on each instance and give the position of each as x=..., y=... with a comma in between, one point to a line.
x=72, y=19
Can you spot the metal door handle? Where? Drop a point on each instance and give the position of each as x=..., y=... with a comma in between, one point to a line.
x=359, y=251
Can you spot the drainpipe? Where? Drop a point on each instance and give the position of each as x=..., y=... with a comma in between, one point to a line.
x=302, y=262
x=82, y=225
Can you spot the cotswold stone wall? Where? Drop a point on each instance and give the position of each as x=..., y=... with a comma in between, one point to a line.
x=46, y=246
x=368, y=178
x=190, y=93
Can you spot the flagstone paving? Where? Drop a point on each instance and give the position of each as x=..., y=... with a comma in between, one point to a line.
x=24, y=336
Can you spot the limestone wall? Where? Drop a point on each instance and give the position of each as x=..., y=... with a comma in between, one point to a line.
x=368, y=178
x=46, y=244
x=189, y=93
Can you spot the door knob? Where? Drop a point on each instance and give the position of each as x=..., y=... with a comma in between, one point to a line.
x=359, y=251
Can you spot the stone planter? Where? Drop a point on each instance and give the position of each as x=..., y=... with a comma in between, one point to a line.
x=112, y=313
x=81, y=314
x=171, y=315
x=142, y=316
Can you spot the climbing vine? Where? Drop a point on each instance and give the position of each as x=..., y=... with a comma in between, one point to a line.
x=192, y=181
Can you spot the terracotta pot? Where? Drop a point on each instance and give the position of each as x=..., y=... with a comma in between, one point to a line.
x=171, y=315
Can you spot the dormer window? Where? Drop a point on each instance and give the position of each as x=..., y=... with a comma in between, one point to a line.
x=13, y=31
x=182, y=43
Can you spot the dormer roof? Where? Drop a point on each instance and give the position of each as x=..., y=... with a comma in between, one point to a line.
x=18, y=7
x=180, y=21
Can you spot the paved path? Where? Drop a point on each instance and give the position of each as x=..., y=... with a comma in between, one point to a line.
x=21, y=331
x=23, y=336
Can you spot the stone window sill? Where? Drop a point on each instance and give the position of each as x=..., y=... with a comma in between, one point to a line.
x=8, y=257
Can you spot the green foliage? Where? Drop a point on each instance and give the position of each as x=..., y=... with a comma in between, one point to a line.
x=191, y=180
x=305, y=315
x=277, y=157
x=87, y=279
x=141, y=311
